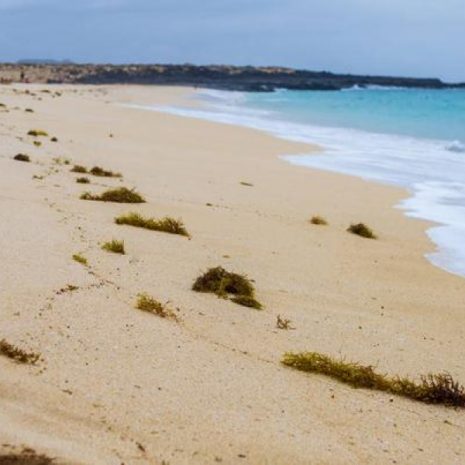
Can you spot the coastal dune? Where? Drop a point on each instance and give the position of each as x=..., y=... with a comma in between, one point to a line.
x=116, y=385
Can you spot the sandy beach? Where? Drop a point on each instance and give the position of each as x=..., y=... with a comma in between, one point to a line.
x=116, y=385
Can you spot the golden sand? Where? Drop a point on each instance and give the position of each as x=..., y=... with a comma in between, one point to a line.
x=117, y=385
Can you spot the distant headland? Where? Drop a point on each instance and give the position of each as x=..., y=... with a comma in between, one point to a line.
x=240, y=78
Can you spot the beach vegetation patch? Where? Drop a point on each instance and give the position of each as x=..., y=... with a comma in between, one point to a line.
x=83, y=180
x=227, y=285
x=29, y=110
x=362, y=230
x=114, y=246
x=37, y=143
x=167, y=224
x=78, y=169
x=22, y=157
x=248, y=184
x=18, y=355
x=80, y=259
x=37, y=133
x=150, y=305
x=54, y=139
x=119, y=195
x=98, y=171
x=431, y=389
x=318, y=220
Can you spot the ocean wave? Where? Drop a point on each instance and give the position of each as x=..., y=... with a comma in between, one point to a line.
x=357, y=87
x=221, y=96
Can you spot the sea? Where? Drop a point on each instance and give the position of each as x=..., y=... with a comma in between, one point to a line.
x=412, y=138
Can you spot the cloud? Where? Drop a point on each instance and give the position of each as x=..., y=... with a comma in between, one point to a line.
x=406, y=37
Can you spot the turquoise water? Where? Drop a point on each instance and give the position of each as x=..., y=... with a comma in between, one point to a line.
x=433, y=114
x=409, y=138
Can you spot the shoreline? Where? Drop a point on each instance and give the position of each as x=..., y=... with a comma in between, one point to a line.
x=440, y=233
x=211, y=387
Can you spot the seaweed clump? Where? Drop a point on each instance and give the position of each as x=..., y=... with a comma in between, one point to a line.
x=17, y=354
x=283, y=323
x=78, y=169
x=227, y=285
x=114, y=246
x=80, y=259
x=37, y=133
x=247, y=301
x=167, y=224
x=26, y=457
x=362, y=230
x=119, y=195
x=22, y=157
x=150, y=305
x=318, y=220
x=431, y=389
x=98, y=171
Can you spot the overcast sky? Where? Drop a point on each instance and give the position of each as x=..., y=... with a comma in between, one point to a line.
x=394, y=37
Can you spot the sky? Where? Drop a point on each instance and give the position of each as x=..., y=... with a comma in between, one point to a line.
x=419, y=38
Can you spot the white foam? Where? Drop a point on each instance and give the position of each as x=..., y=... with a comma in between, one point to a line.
x=429, y=169
x=456, y=146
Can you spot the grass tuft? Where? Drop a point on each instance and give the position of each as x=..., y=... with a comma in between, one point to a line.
x=80, y=259
x=318, y=220
x=98, y=171
x=29, y=110
x=78, y=169
x=37, y=133
x=225, y=284
x=361, y=229
x=119, y=195
x=54, y=139
x=37, y=143
x=150, y=305
x=22, y=157
x=167, y=224
x=114, y=246
x=248, y=184
x=432, y=389
x=17, y=354
x=83, y=180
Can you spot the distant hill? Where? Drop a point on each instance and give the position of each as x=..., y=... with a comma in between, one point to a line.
x=45, y=61
x=241, y=78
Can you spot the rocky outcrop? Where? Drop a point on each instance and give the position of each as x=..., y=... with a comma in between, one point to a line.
x=258, y=79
